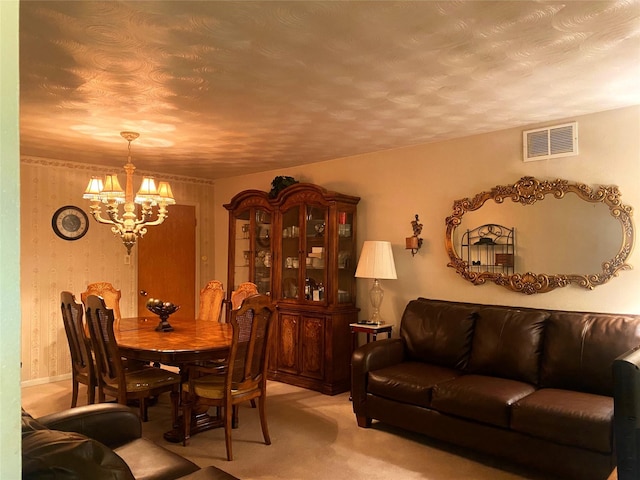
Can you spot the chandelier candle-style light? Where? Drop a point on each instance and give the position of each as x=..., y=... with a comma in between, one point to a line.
x=109, y=192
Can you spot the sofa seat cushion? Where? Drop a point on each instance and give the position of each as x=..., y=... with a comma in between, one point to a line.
x=408, y=382
x=480, y=398
x=149, y=461
x=69, y=455
x=570, y=418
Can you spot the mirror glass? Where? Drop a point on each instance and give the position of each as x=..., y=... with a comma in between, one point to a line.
x=558, y=235
x=560, y=228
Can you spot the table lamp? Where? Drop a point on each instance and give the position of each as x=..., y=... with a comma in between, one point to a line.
x=376, y=261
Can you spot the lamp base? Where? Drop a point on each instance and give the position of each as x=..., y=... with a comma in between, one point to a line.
x=376, y=294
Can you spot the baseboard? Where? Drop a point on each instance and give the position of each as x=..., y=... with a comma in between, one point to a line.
x=40, y=381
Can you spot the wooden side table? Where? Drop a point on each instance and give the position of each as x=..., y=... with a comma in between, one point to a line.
x=372, y=331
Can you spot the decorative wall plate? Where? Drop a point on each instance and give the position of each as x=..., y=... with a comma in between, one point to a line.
x=70, y=223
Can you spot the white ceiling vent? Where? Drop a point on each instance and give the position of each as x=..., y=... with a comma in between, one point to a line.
x=550, y=142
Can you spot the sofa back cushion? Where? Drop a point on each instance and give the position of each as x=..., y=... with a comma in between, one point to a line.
x=579, y=349
x=438, y=332
x=507, y=343
x=69, y=455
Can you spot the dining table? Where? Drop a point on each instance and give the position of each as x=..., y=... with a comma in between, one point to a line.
x=189, y=341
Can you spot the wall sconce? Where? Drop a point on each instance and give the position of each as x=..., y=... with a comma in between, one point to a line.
x=414, y=243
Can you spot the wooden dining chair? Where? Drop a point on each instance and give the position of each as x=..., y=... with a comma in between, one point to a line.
x=111, y=296
x=113, y=379
x=244, y=290
x=211, y=301
x=108, y=292
x=82, y=367
x=245, y=376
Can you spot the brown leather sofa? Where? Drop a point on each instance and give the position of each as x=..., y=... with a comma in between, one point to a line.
x=101, y=441
x=532, y=386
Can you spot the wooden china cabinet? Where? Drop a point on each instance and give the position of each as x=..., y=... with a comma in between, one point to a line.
x=300, y=248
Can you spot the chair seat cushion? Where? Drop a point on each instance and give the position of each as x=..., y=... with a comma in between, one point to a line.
x=480, y=398
x=212, y=386
x=149, y=378
x=408, y=382
x=149, y=461
x=578, y=419
x=69, y=455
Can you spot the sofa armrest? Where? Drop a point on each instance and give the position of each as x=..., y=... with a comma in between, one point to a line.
x=109, y=423
x=377, y=355
x=369, y=357
x=626, y=413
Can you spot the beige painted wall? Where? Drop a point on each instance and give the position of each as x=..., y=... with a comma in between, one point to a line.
x=394, y=185
x=50, y=264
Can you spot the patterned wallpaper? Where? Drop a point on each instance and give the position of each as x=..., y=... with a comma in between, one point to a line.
x=50, y=264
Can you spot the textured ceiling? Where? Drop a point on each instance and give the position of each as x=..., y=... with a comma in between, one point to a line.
x=220, y=88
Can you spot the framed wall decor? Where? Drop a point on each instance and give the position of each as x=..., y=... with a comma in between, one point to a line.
x=571, y=223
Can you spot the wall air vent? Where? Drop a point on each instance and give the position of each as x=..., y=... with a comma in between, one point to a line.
x=550, y=142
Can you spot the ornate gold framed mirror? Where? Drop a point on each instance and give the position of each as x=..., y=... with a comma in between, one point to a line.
x=572, y=230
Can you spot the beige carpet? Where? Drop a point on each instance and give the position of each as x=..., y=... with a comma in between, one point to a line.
x=314, y=437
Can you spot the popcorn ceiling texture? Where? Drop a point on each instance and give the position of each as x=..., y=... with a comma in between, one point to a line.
x=219, y=88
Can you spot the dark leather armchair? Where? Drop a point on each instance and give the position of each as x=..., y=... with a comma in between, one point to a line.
x=102, y=441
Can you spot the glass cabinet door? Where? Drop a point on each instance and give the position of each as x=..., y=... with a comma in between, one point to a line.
x=346, y=256
x=303, y=256
x=314, y=274
x=242, y=251
x=290, y=254
x=252, y=252
x=261, y=261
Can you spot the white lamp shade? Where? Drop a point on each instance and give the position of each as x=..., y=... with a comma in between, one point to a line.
x=94, y=189
x=165, y=195
x=148, y=191
x=376, y=261
x=112, y=189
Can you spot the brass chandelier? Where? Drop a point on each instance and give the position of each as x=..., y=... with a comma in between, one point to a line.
x=128, y=226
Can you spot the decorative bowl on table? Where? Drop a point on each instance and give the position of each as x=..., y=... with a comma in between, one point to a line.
x=163, y=310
